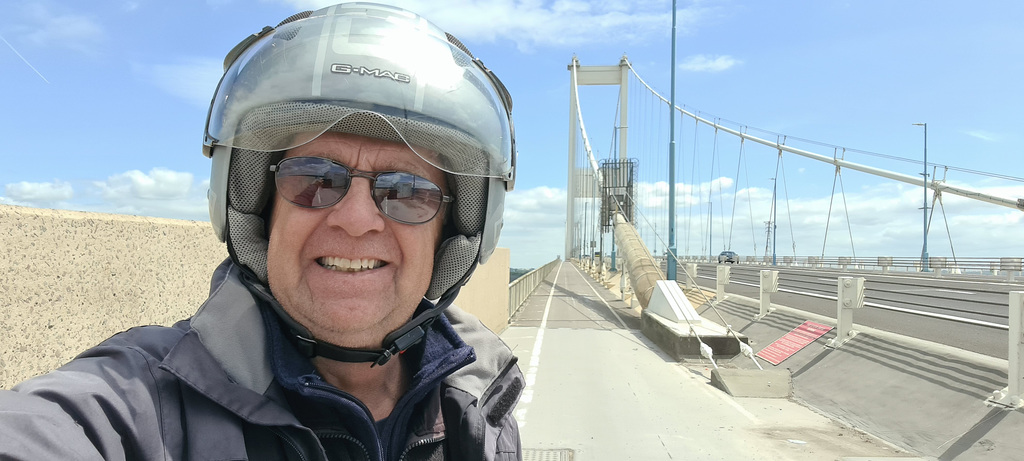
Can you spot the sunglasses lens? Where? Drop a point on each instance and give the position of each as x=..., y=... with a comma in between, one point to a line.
x=407, y=198
x=312, y=182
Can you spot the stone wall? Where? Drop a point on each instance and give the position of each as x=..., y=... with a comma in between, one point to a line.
x=71, y=279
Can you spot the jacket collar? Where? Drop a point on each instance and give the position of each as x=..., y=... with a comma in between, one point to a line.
x=223, y=355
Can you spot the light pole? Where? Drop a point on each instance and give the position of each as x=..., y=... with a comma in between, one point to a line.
x=924, y=182
x=774, y=217
x=670, y=265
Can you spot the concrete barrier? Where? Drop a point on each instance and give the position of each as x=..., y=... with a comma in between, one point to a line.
x=72, y=279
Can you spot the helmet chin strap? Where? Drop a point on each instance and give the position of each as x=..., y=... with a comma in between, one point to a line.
x=393, y=344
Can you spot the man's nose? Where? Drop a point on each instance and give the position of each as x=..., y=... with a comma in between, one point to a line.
x=357, y=213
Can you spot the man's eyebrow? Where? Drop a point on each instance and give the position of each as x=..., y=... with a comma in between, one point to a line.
x=405, y=166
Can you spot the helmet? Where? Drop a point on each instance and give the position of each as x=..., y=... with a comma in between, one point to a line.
x=369, y=70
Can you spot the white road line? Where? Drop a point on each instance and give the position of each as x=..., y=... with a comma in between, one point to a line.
x=531, y=373
x=623, y=324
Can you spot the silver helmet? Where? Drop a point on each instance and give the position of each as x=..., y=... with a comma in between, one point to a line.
x=369, y=70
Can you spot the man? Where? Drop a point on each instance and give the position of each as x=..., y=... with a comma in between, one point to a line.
x=360, y=161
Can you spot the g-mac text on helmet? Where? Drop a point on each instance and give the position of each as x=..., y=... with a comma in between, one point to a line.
x=379, y=73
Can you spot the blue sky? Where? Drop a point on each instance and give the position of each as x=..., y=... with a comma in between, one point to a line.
x=105, y=101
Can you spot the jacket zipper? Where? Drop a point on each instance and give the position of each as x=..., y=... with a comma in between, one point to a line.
x=317, y=387
x=419, y=444
x=366, y=453
x=287, y=440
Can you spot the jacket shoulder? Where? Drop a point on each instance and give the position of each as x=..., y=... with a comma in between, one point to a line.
x=107, y=403
x=478, y=400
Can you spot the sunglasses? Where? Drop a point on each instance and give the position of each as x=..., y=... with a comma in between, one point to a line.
x=314, y=182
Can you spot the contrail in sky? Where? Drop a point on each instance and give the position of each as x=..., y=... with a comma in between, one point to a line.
x=23, y=59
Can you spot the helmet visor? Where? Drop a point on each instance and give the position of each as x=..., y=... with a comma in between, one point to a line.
x=370, y=70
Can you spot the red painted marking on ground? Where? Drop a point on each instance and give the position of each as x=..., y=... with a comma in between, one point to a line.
x=793, y=341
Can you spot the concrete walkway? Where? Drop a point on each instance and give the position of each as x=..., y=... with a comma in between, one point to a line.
x=598, y=390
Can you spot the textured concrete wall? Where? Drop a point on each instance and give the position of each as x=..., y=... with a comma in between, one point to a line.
x=486, y=294
x=69, y=280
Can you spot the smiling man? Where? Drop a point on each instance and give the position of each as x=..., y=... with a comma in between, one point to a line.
x=360, y=161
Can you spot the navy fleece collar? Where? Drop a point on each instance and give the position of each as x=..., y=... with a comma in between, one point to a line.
x=441, y=353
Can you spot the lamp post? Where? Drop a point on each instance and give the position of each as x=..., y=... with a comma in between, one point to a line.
x=670, y=265
x=774, y=217
x=924, y=182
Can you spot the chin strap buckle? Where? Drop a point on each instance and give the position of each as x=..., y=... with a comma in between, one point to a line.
x=305, y=345
x=402, y=343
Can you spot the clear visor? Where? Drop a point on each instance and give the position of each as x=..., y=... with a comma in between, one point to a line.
x=369, y=70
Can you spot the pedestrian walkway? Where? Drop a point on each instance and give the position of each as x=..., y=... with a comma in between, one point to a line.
x=597, y=389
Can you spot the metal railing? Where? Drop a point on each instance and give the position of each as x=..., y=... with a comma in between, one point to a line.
x=936, y=264
x=521, y=288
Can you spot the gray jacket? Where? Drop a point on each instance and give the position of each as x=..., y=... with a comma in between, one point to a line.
x=204, y=390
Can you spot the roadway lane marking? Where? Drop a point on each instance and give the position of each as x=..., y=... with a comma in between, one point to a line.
x=531, y=374
x=621, y=323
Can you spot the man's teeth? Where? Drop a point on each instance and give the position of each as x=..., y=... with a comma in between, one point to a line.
x=349, y=265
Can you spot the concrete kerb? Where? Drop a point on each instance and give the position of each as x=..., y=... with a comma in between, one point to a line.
x=679, y=341
x=753, y=383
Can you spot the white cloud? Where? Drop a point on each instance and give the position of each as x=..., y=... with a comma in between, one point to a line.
x=159, y=184
x=191, y=79
x=532, y=23
x=36, y=193
x=55, y=27
x=534, y=225
x=706, y=63
x=161, y=193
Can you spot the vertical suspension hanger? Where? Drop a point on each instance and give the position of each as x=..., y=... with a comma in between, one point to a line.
x=715, y=159
x=789, y=213
x=831, y=199
x=938, y=196
x=846, y=209
x=694, y=181
x=750, y=201
x=735, y=193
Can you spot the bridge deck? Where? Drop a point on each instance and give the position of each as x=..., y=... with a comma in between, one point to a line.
x=598, y=388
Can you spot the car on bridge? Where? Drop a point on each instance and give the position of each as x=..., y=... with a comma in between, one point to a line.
x=728, y=257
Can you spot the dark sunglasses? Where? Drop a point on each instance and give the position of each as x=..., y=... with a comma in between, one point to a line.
x=314, y=182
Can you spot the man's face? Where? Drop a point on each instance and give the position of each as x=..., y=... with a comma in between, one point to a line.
x=352, y=308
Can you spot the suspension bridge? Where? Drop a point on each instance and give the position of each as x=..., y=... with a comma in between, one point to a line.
x=916, y=349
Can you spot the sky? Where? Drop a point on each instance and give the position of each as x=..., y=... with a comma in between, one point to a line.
x=105, y=102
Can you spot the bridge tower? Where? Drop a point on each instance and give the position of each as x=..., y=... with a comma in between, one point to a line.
x=590, y=75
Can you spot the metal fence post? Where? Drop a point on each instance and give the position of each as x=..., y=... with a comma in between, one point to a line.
x=769, y=285
x=885, y=262
x=721, y=281
x=691, y=275
x=623, y=281
x=1010, y=396
x=849, y=296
